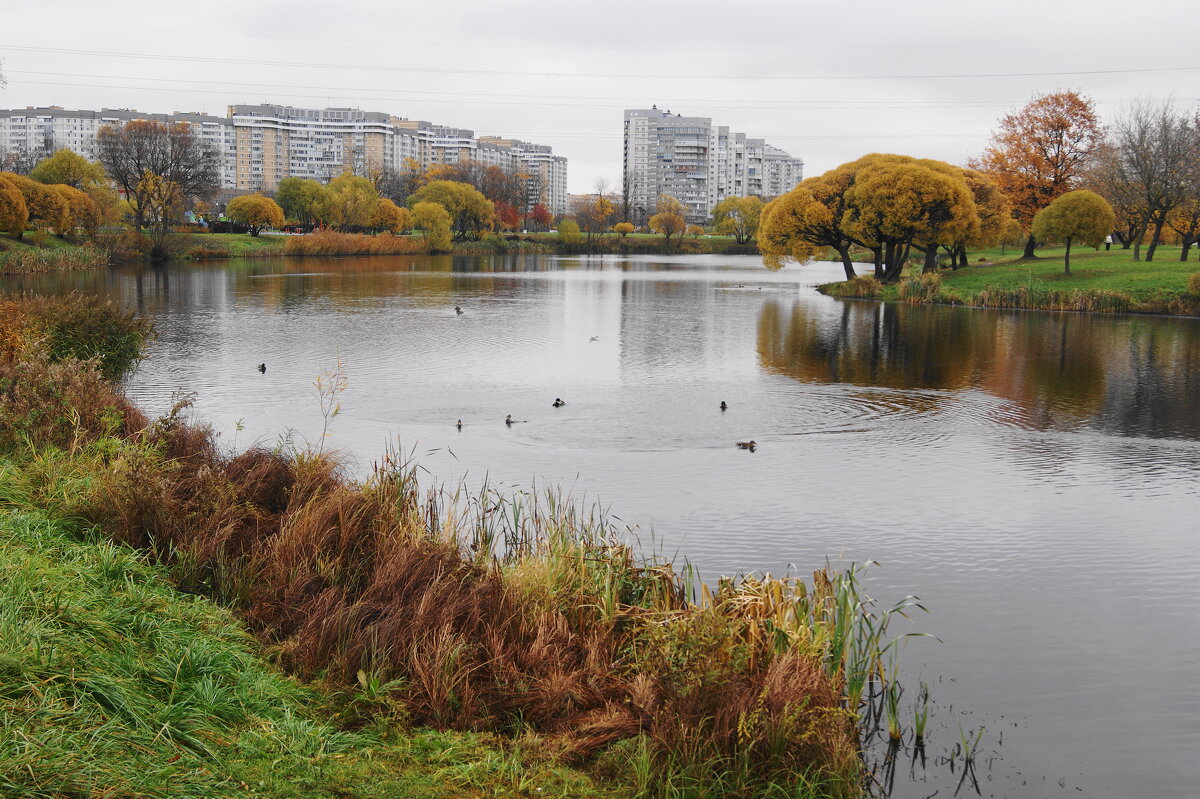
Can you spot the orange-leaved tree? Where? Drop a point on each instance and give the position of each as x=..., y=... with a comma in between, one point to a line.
x=623, y=229
x=44, y=204
x=1040, y=152
x=669, y=221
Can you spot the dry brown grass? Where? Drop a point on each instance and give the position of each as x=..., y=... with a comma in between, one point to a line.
x=330, y=242
x=479, y=612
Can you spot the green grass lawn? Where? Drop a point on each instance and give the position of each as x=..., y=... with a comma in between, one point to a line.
x=1114, y=270
x=240, y=243
x=112, y=683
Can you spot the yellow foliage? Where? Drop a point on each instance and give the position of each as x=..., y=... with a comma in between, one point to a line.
x=390, y=217
x=255, y=212
x=13, y=213
x=43, y=204
x=83, y=211
x=435, y=221
x=623, y=229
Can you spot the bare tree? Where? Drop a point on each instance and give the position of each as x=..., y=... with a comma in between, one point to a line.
x=1152, y=147
x=159, y=168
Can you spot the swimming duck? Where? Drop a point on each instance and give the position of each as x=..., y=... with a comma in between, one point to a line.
x=750, y=445
x=558, y=403
x=458, y=310
x=262, y=368
x=508, y=420
x=594, y=338
x=458, y=424
x=723, y=405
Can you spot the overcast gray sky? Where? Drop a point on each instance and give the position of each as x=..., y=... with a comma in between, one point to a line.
x=826, y=81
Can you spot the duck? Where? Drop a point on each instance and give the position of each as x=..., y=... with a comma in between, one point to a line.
x=262, y=368
x=594, y=338
x=723, y=405
x=558, y=403
x=458, y=424
x=508, y=420
x=750, y=445
x=458, y=310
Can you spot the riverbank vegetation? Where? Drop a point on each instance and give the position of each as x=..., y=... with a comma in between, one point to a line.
x=1101, y=281
x=526, y=617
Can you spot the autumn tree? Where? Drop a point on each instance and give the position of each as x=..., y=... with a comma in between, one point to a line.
x=255, y=212
x=507, y=216
x=352, y=201
x=796, y=225
x=1152, y=150
x=304, y=200
x=1078, y=216
x=70, y=169
x=1185, y=221
x=623, y=229
x=593, y=213
x=173, y=155
x=44, y=205
x=82, y=209
x=435, y=221
x=541, y=217
x=1040, y=152
x=993, y=211
x=738, y=217
x=911, y=203
x=13, y=212
x=390, y=217
x=161, y=203
x=470, y=212
x=669, y=220
x=568, y=231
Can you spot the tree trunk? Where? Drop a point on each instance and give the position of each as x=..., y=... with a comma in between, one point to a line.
x=878, y=253
x=1158, y=226
x=847, y=264
x=1186, y=249
x=1029, y=245
x=931, y=260
x=1067, y=257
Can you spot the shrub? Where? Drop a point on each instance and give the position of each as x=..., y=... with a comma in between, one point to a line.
x=865, y=287
x=1193, y=284
x=75, y=327
x=921, y=288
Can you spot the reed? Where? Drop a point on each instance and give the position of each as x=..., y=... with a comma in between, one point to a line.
x=31, y=260
x=1035, y=295
x=923, y=288
x=865, y=287
x=330, y=243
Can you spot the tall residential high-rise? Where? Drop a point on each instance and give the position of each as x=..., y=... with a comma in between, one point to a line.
x=259, y=145
x=698, y=163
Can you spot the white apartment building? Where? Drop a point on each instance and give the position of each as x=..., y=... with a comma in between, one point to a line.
x=259, y=145
x=698, y=163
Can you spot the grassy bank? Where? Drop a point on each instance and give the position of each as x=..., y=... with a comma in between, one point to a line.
x=116, y=684
x=48, y=254
x=1106, y=282
x=524, y=617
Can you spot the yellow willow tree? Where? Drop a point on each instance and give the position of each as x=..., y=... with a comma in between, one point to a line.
x=44, y=205
x=83, y=210
x=390, y=217
x=13, y=212
x=738, y=217
x=255, y=212
x=1078, y=216
x=898, y=202
x=798, y=224
x=435, y=221
x=669, y=221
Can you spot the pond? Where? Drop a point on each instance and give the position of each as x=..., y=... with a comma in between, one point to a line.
x=1033, y=477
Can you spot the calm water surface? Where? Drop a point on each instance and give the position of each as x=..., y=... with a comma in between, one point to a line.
x=1033, y=477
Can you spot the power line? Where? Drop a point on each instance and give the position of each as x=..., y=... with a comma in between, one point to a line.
x=441, y=44
x=605, y=75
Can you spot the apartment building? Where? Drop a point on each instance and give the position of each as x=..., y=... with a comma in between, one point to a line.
x=259, y=145
x=698, y=163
